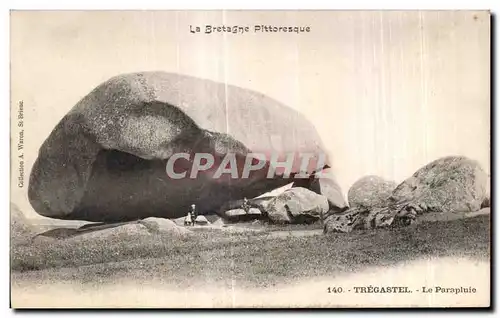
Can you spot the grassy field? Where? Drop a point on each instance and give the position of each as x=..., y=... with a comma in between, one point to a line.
x=254, y=259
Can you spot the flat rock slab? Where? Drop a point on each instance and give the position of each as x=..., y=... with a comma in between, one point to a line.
x=115, y=230
x=161, y=225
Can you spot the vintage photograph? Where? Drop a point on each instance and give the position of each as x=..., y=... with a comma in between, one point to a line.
x=250, y=159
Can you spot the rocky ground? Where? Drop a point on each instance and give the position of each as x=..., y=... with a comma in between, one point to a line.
x=243, y=255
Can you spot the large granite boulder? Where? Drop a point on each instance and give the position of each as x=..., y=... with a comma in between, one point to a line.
x=297, y=205
x=449, y=184
x=370, y=192
x=105, y=160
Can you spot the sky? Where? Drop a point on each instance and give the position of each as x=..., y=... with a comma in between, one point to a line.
x=387, y=92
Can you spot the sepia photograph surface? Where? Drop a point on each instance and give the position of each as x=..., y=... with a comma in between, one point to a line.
x=250, y=159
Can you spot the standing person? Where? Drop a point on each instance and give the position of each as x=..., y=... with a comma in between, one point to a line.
x=194, y=213
x=245, y=205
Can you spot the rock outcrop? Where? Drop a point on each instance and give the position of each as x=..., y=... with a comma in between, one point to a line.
x=453, y=184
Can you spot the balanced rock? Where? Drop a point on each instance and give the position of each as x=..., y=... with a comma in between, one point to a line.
x=370, y=192
x=297, y=205
x=105, y=161
x=449, y=184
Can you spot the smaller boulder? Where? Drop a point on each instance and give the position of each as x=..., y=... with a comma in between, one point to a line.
x=240, y=212
x=448, y=184
x=240, y=215
x=230, y=206
x=370, y=192
x=234, y=213
x=297, y=205
x=201, y=220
